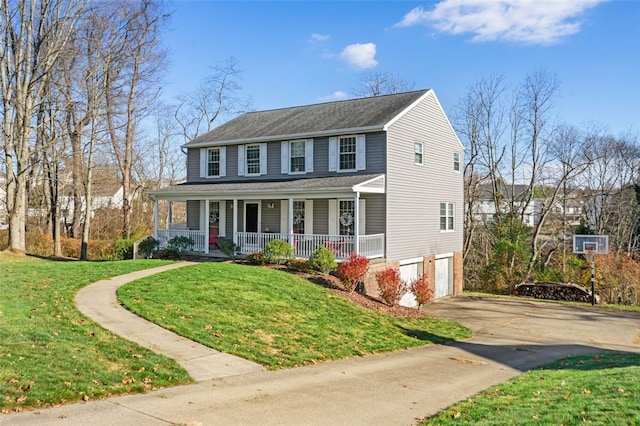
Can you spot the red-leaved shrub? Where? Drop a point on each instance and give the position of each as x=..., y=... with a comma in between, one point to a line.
x=352, y=271
x=391, y=286
x=421, y=289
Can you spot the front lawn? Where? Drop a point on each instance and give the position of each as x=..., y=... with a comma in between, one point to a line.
x=594, y=389
x=272, y=317
x=51, y=354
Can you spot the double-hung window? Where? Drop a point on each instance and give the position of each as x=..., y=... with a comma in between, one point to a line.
x=446, y=216
x=213, y=162
x=347, y=153
x=252, y=159
x=456, y=161
x=418, y=148
x=296, y=157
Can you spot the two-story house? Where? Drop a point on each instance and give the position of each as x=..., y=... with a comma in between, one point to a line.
x=379, y=176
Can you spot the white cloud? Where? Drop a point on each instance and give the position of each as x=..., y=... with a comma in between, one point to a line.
x=528, y=21
x=335, y=96
x=318, y=38
x=360, y=56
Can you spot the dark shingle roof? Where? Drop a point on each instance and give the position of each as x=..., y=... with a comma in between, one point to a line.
x=364, y=114
x=333, y=183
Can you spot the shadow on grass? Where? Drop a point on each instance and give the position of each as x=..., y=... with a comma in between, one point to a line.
x=424, y=335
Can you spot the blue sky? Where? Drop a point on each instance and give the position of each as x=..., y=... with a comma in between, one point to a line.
x=297, y=53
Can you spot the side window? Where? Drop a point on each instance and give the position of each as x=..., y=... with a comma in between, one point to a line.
x=456, y=161
x=446, y=217
x=418, y=148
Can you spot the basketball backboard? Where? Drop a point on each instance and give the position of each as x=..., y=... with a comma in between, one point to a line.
x=591, y=244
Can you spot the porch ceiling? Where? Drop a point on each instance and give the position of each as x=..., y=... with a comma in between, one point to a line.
x=324, y=186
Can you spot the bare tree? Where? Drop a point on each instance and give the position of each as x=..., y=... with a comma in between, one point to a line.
x=377, y=84
x=131, y=86
x=34, y=33
x=218, y=97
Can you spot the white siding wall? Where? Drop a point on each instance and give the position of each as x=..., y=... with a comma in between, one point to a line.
x=414, y=192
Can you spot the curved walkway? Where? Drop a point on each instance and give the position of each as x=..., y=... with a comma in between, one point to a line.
x=99, y=302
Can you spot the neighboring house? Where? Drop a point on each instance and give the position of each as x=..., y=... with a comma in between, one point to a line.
x=379, y=176
x=485, y=207
x=105, y=195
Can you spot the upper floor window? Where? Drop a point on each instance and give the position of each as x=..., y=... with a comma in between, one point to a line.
x=252, y=159
x=347, y=153
x=456, y=161
x=297, y=156
x=446, y=216
x=213, y=162
x=417, y=152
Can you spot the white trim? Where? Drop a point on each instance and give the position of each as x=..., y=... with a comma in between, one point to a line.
x=284, y=216
x=333, y=154
x=443, y=255
x=308, y=216
x=222, y=218
x=361, y=152
x=411, y=261
x=263, y=158
x=284, y=157
x=241, y=163
x=362, y=216
x=223, y=161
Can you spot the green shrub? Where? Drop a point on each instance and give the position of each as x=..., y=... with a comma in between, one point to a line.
x=180, y=244
x=230, y=248
x=256, y=258
x=299, y=265
x=323, y=260
x=279, y=252
x=123, y=249
x=148, y=246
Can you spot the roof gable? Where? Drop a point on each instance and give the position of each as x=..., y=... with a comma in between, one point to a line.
x=354, y=115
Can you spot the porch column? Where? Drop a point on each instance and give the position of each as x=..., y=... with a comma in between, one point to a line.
x=207, y=204
x=155, y=219
x=290, y=222
x=235, y=220
x=356, y=223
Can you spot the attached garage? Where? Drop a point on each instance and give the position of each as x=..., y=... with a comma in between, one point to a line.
x=408, y=273
x=444, y=275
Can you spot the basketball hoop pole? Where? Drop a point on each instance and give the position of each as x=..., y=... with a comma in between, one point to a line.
x=591, y=257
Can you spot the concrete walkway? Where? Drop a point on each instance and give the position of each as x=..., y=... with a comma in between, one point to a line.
x=510, y=336
x=99, y=302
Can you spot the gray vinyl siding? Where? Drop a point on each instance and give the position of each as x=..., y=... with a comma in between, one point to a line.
x=375, y=161
x=271, y=217
x=193, y=214
x=414, y=192
x=375, y=213
x=321, y=216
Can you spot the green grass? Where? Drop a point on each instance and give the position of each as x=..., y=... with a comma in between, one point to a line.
x=272, y=317
x=593, y=389
x=51, y=354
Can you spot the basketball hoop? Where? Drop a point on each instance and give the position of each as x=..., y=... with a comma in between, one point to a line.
x=589, y=254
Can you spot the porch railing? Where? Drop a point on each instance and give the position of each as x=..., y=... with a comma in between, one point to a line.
x=371, y=246
x=165, y=235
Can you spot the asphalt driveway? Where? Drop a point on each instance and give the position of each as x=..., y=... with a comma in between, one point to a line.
x=510, y=336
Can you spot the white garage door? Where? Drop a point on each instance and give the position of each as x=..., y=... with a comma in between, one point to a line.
x=442, y=277
x=408, y=273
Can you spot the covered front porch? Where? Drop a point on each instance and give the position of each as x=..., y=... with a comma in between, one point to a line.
x=345, y=214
